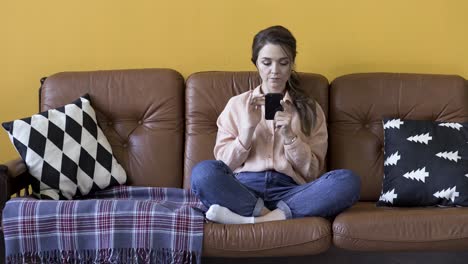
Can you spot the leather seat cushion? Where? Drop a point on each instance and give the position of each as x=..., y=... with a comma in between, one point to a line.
x=303, y=236
x=371, y=228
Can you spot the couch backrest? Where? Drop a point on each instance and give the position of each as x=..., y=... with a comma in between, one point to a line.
x=140, y=111
x=207, y=93
x=358, y=102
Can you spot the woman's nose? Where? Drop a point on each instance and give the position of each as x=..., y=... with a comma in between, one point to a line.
x=274, y=67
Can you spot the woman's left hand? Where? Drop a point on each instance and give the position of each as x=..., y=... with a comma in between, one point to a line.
x=283, y=120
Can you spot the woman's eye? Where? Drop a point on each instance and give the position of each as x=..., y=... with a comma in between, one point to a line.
x=282, y=63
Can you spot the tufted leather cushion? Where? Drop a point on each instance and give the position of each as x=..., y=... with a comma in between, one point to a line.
x=139, y=111
x=358, y=102
x=207, y=94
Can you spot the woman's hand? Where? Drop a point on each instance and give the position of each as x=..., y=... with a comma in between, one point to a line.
x=254, y=109
x=283, y=121
x=253, y=117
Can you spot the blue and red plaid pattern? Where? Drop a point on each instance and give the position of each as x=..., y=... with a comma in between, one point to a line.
x=120, y=225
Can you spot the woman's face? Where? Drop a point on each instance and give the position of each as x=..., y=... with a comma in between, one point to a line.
x=274, y=67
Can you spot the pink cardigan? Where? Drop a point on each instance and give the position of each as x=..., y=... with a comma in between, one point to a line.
x=303, y=160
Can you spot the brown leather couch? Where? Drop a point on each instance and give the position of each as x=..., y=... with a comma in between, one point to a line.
x=160, y=126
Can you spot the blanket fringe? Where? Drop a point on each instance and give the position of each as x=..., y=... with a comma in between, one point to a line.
x=123, y=255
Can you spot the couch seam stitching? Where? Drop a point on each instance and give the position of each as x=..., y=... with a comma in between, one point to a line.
x=406, y=241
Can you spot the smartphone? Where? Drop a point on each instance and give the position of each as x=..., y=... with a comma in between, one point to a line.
x=272, y=105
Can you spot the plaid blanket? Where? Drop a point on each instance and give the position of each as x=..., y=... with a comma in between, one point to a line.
x=119, y=225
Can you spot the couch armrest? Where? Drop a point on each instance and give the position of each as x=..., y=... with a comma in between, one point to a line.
x=3, y=199
x=15, y=167
x=13, y=178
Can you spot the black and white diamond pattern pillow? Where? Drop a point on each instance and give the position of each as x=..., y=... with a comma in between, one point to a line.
x=425, y=163
x=66, y=151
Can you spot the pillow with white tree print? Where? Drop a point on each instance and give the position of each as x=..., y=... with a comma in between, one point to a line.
x=425, y=163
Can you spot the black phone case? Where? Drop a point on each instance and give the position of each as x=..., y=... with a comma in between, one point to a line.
x=272, y=105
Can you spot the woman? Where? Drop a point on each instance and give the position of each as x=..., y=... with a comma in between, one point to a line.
x=268, y=170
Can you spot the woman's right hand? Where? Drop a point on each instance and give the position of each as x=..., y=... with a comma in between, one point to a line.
x=254, y=109
x=253, y=117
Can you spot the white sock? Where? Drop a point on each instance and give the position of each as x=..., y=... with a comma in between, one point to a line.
x=223, y=215
x=274, y=215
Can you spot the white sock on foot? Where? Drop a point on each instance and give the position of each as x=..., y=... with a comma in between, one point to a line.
x=223, y=215
x=274, y=215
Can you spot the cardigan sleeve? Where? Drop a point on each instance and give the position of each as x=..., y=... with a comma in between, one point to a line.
x=228, y=147
x=307, y=153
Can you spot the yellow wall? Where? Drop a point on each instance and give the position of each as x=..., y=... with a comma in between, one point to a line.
x=335, y=37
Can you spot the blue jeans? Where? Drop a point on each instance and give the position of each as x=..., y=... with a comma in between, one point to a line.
x=246, y=193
